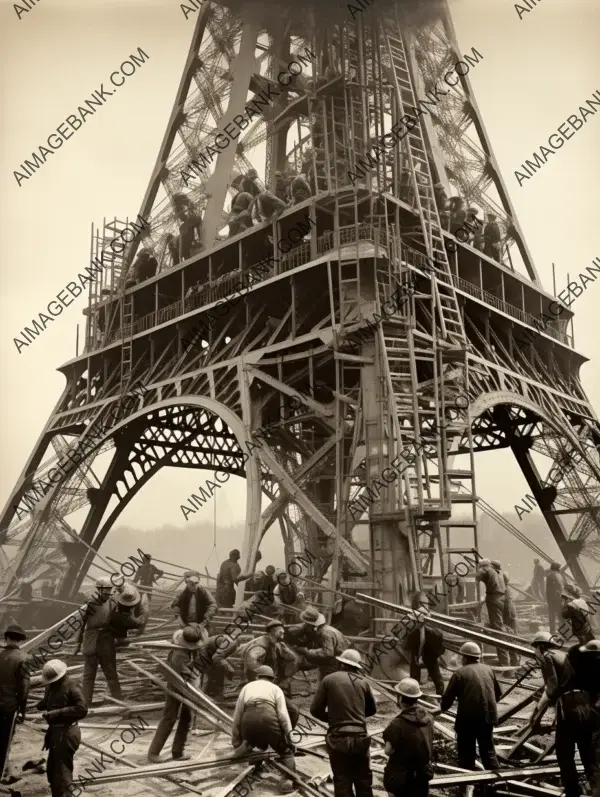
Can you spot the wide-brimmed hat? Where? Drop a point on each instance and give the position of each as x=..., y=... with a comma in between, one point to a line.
x=187, y=638
x=129, y=596
x=16, y=631
x=350, y=657
x=408, y=687
x=312, y=617
x=53, y=670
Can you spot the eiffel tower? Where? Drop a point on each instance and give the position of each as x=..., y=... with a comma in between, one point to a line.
x=327, y=328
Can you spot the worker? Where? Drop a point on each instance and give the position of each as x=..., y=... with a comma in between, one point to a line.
x=344, y=700
x=211, y=660
x=458, y=214
x=584, y=661
x=131, y=613
x=576, y=610
x=172, y=247
x=285, y=595
x=555, y=584
x=425, y=645
x=409, y=745
x=539, y=580
x=264, y=718
x=96, y=640
x=255, y=583
x=509, y=611
x=63, y=705
x=195, y=605
x=270, y=577
x=14, y=687
x=240, y=218
x=190, y=232
x=145, y=266
x=551, y=661
x=300, y=188
x=477, y=690
x=230, y=574
x=326, y=642
x=492, y=237
x=270, y=206
x=147, y=574
x=186, y=641
x=350, y=617
x=270, y=649
x=495, y=594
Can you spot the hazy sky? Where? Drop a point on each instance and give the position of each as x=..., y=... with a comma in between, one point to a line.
x=536, y=72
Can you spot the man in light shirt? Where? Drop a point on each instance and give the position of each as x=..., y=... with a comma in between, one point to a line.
x=264, y=718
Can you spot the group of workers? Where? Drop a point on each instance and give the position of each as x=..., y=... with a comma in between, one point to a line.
x=265, y=716
x=565, y=600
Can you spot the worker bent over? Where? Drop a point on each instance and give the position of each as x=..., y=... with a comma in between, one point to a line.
x=344, y=700
x=409, y=744
x=326, y=644
x=14, y=686
x=96, y=640
x=211, y=661
x=477, y=690
x=63, y=705
x=264, y=718
x=576, y=610
x=270, y=650
x=195, y=605
x=186, y=641
x=131, y=614
x=495, y=594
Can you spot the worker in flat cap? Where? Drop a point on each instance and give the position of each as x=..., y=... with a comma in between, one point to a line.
x=14, y=688
x=495, y=594
x=62, y=705
x=475, y=687
x=195, y=605
x=230, y=575
x=264, y=718
x=269, y=649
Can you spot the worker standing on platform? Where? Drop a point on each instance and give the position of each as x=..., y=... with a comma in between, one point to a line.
x=409, y=744
x=230, y=574
x=186, y=641
x=509, y=611
x=270, y=649
x=96, y=640
x=328, y=642
x=495, y=594
x=14, y=687
x=477, y=690
x=195, y=605
x=63, y=705
x=344, y=700
x=425, y=645
x=576, y=610
x=264, y=718
x=147, y=574
x=555, y=584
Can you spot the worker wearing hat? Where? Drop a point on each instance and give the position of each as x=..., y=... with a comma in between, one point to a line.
x=185, y=641
x=262, y=719
x=495, y=595
x=147, y=574
x=576, y=610
x=555, y=585
x=409, y=744
x=14, y=687
x=230, y=574
x=270, y=649
x=475, y=687
x=344, y=700
x=326, y=642
x=96, y=640
x=63, y=705
x=131, y=613
x=195, y=605
x=285, y=595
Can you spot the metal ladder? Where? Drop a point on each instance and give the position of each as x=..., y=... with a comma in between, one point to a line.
x=446, y=300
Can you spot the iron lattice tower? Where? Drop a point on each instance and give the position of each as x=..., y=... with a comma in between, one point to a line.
x=343, y=385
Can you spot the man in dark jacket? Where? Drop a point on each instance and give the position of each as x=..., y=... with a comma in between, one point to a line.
x=14, y=686
x=211, y=660
x=555, y=584
x=131, y=613
x=63, y=705
x=409, y=744
x=538, y=583
x=195, y=605
x=478, y=691
x=576, y=610
x=509, y=612
x=230, y=574
x=495, y=594
x=425, y=645
x=327, y=645
x=344, y=700
x=147, y=574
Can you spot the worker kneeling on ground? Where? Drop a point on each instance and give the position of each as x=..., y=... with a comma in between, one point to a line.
x=409, y=744
x=477, y=690
x=63, y=705
x=264, y=718
x=186, y=641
